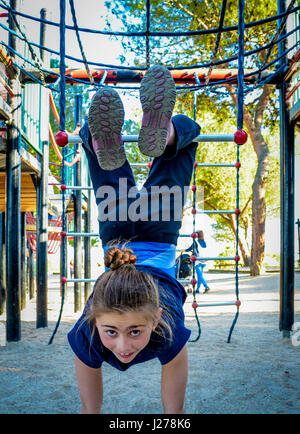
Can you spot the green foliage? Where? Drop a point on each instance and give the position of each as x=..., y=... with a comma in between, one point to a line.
x=187, y=15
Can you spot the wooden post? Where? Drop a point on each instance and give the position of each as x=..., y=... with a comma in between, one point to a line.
x=78, y=217
x=77, y=241
x=42, y=208
x=87, y=248
x=2, y=268
x=23, y=260
x=298, y=224
x=13, y=232
x=13, y=200
x=42, y=243
x=30, y=272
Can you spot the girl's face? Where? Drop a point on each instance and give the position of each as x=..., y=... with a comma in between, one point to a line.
x=125, y=334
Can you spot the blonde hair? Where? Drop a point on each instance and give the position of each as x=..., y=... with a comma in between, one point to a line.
x=125, y=289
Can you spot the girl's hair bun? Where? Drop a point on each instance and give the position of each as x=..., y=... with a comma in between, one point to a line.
x=115, y=257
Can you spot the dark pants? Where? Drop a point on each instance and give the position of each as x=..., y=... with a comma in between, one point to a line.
x=166, y=172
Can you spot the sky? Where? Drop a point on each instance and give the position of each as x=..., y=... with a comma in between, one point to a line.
x=89, y=14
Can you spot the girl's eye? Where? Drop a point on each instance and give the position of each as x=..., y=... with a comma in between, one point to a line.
x=111, y=333
x=135, y=333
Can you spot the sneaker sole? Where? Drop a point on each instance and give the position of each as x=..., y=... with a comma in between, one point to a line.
x=158, y=97
x=105, y=119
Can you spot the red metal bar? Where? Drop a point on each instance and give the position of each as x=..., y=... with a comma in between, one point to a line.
x=128, y=76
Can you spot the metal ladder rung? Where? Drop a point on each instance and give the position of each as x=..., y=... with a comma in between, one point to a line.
x=216, y=164
x=208, y=211
x=78, y=187
x=225, y=303
x=217, y=258
x=81, y=280
x=82, y=234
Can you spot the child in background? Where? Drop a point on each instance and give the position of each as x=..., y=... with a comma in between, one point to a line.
x=135, y=312
x=196, y=246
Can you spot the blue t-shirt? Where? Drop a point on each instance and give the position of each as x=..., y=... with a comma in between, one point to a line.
x=93, y=353
x=160, y=255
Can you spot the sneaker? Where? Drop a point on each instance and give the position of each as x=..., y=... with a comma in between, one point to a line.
x=206, y=290
x=105, y=119
x=158, y=96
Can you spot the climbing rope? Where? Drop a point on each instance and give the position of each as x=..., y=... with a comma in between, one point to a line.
x=80, y=43
x=218, y=40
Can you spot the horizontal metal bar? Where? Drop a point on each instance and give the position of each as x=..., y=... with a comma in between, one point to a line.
x=79, y=187
x=58, y=196
x=217, y=258
x=72, y=187
x=139, y=164
x=229, y=303
x=72, y=138
x=81, y=280
x=217, y=211
x=82, y=234
x=215, y=164
x=214, y=138
x=184, y=280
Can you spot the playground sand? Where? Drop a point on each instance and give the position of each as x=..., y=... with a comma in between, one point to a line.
x=257, y=372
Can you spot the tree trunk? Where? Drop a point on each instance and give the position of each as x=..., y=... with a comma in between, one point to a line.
x=259, y=212
x=261, y=177
x=242, y=243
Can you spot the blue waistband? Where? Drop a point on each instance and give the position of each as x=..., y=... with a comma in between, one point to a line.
x=158, y=255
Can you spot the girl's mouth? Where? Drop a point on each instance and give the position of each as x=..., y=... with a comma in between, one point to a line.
x=125, y=355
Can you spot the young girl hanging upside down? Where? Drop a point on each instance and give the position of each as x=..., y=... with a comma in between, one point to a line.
x=135, y=312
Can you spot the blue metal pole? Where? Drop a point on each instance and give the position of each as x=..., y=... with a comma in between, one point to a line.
x=62, y=105
x=287, y=199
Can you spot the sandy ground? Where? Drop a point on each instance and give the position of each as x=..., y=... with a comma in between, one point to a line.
x=257, y=372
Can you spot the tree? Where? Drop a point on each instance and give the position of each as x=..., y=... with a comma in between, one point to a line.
x=260, y=109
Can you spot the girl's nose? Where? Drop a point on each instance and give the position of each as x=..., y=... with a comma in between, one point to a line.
x=123, y=345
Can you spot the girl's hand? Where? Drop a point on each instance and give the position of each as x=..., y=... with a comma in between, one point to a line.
x=173, y=383
x=90, y=387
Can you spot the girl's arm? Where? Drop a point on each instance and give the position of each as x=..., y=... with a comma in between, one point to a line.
x=90, y=387
x=173, y=383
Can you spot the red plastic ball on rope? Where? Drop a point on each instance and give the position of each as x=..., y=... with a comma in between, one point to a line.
x=237, y=164
x=194, y=211
x=237, y=211
x=193, y=281
x=193, y=258
x=238, y=303
x=240, y=137
x=194, y=305
x=237, y=258
x=61, y=138
x=194, y=235
x=194, y=187
x=63, y=234
x=150, y=164
x=63, y=280
x=195, y=165
x=63, y=187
